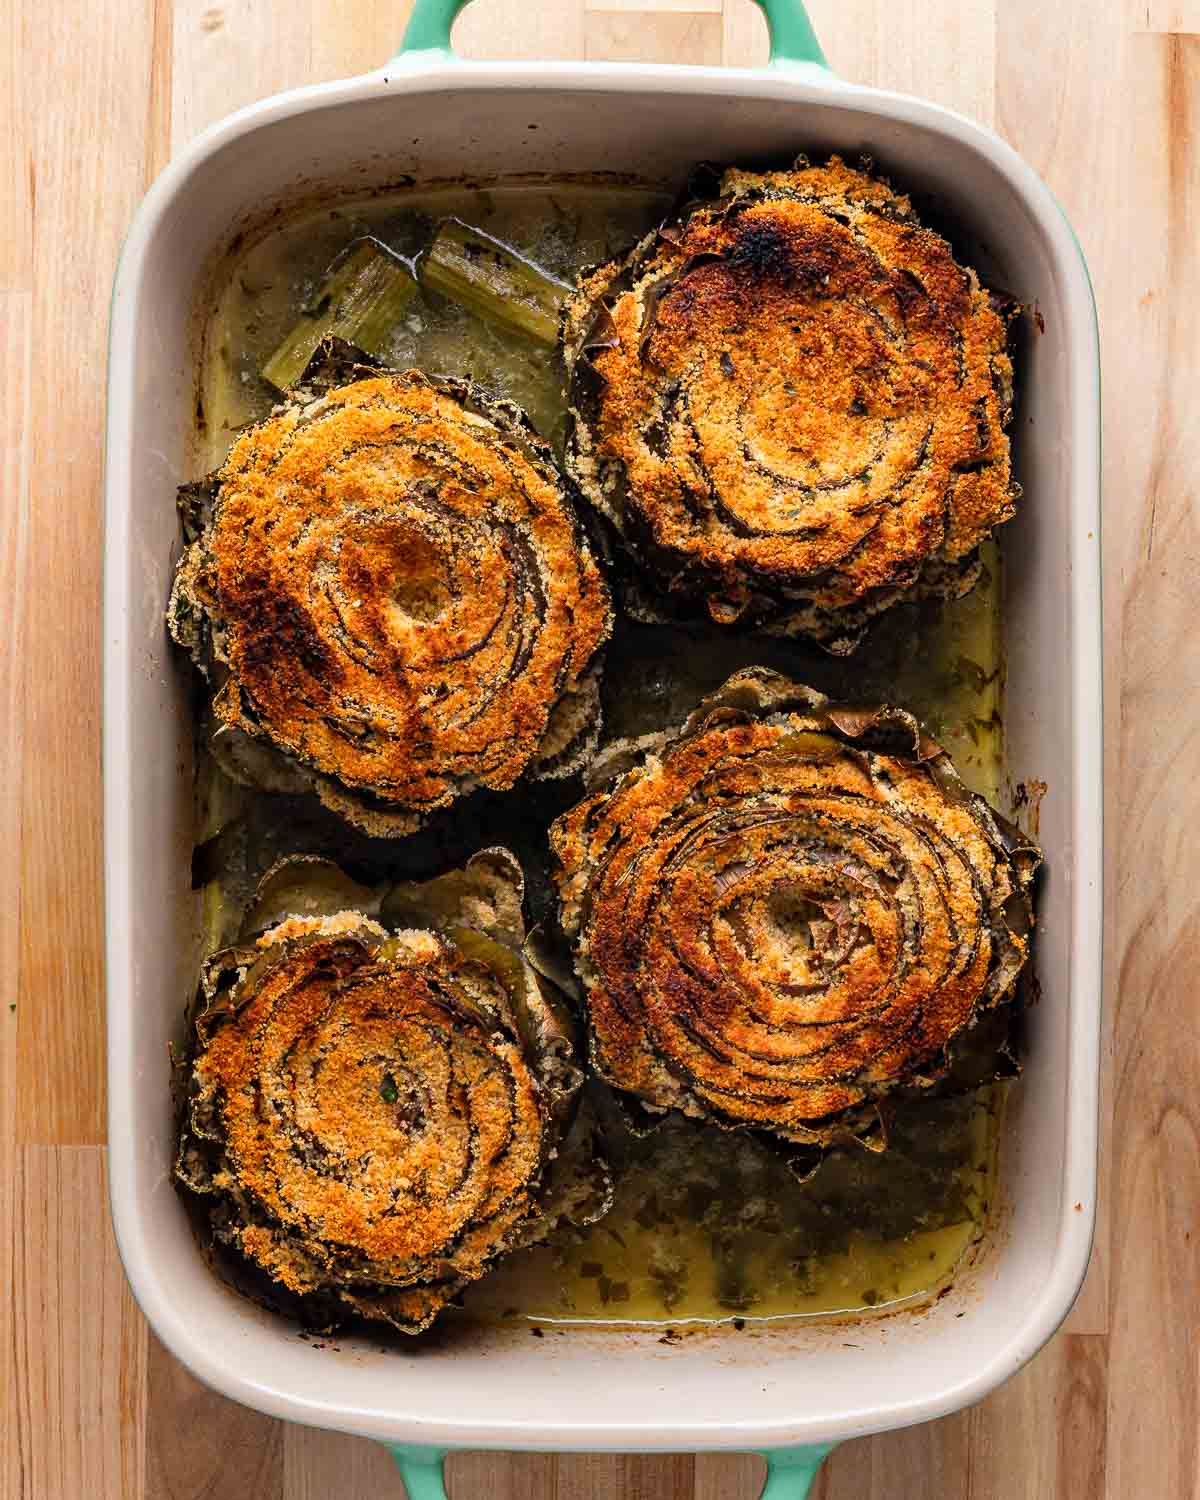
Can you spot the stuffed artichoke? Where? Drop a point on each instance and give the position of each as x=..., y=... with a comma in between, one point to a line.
x=787, y=909
x=382, y=1090
x=392, y=599
x=790, y=402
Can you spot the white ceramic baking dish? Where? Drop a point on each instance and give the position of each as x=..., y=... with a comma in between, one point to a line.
x=431, y=116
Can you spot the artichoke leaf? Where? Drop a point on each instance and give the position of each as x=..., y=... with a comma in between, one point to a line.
x=486, y=894
x=306, y=885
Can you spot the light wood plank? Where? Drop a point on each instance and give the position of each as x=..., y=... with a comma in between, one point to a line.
x=230, y=53
x=516, y=29
x=744, y=42
x=16, y=352
x=507, y=1476
x=1154, y=1271
x=76, y=1427
x=573, y=1476
x=200, y=1446
x=942, y=52
x=159, y=87
x=16, y=362
x=366, y=35
x=16, y=218
x=1039, y=1436
x=926, y=1460
x=653, y=7
x=729, y=1476
x=630, y=1476
x=318, y=1465
x=83, y=65
x=1061, y=1396
x=630, y=36
x=234, y=52
x=1166, y=16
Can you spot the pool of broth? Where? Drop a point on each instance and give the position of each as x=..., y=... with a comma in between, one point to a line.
x=706, y=1225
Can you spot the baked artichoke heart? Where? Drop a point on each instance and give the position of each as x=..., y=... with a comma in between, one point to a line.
x=786, y=909
x=393, y=598
x=790, y=401
x=382, y=1093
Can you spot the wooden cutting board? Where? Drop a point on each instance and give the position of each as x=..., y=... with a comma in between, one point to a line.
x=1103, y=97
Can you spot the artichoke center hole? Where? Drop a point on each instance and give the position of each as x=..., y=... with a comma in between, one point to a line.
x=419, y=587
x=790, y=919
x=404, y=1102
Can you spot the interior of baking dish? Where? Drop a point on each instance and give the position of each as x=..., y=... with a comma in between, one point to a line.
x=489, y=1385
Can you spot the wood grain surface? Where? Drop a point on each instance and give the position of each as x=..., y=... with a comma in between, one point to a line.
x=1103, y=97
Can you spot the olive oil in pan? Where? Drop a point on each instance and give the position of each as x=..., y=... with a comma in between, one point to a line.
x=706, y=1225
x=710, y=1225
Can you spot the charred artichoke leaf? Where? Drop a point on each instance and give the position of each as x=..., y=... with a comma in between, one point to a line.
x=187, y=622
x=393, y=600
x=572, y=731
x=379, y=1109
x=579, y=1182
x=410, y=1309
x=335, y=362
x=194, y=502
x=546, y=953
x=787, y=910
x=790, y=402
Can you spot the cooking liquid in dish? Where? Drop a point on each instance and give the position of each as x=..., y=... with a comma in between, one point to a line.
x=706, y=1224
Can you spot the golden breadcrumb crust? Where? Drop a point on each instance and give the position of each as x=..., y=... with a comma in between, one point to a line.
x=383, y=1125
x=776, y=923
x=400, y=595
x=792, y=397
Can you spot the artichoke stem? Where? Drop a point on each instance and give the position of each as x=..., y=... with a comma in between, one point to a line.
x=361, y=298
x=492, y=281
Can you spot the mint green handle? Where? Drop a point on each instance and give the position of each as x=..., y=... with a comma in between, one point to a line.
x=790, y=1471
x=793, y=39
x=421, y=1470
x=428, y=28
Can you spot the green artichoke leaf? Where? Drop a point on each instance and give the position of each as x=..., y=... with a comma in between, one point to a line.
x=485, y=895
x=309, y=886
